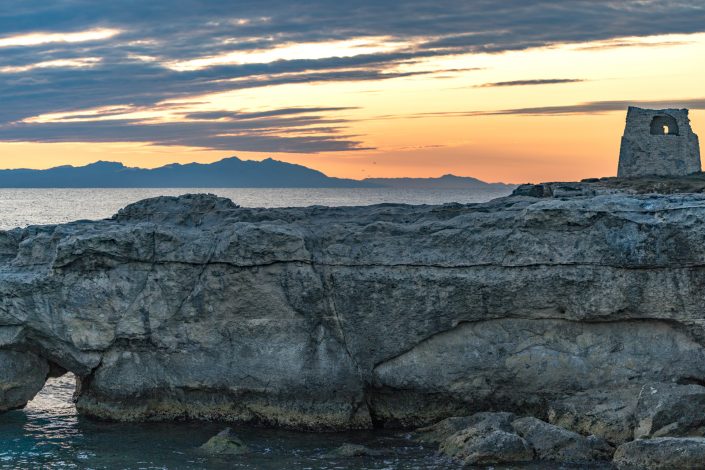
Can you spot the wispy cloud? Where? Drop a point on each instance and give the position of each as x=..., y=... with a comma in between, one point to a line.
x=149, y=52
x=543, y=81
x=36, y=39
x=592, y=107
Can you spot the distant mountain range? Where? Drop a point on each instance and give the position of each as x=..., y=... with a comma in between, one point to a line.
x=227, y=173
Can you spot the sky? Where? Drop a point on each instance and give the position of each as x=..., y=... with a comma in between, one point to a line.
x=512, y=90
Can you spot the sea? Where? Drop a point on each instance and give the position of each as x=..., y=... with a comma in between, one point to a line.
x=49, y=434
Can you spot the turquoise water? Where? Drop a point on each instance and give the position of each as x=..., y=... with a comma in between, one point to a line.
x=48, y=434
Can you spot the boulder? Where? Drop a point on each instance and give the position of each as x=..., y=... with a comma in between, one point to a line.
x=560, y=445
x=668, y=409
x=224, y=443
x=662, y=453
x=609, y=414
x=493, y=447
x=479, y=423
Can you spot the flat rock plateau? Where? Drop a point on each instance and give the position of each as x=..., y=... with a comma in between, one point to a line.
x=575, y=309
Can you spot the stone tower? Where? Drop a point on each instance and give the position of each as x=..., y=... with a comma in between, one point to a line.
x=658, y=142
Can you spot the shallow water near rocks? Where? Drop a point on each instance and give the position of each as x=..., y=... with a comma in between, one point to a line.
x=48, y=434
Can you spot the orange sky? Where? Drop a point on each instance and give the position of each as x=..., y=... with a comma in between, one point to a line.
x=409, y=125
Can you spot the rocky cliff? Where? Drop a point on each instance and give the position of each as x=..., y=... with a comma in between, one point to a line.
x=335, y=318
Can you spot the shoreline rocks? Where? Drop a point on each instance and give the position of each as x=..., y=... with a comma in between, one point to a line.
x=360, y=317
x=224, y=443
x=663, y=453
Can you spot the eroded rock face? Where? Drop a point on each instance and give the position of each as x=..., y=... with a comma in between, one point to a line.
x=22, y=375
x=335, y=318
x=670, y=410
x=664, y=453
x=486, y=438
x=609, y=414
x=560, y=445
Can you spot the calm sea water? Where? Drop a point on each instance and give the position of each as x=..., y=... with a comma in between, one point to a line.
x=21, y=207
x=48, y=434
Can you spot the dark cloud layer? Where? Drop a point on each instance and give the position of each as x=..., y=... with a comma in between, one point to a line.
x=180, y=30
x=591, y=107
x=543, y=81
x=595, y=107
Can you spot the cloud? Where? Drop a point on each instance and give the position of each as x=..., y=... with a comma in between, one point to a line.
x=595, y=107
x=153, y=51
x=592, y=107
x=213, y=115
x=36, y=39
x=293, y=130
x=544, y=81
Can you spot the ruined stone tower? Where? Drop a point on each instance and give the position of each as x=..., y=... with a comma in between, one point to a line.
x=658, y=142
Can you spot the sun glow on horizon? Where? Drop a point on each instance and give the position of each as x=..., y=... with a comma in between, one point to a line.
x=456, y=113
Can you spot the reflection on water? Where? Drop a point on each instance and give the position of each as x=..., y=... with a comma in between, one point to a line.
x=48, y=434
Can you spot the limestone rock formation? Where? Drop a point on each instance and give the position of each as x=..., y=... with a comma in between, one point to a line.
x=224, y=443
x=609, y=414
x=488, y=438
x=480, y=423
x=664, y=453
x=339, y=318
x=658, y=142
x=560, y=445
x=670, y=410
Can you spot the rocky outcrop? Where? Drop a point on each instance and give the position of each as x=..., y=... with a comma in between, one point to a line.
x=664, y=453
x=338, y=318
x=500, y=438
x=609, y=414
x=488, y=438
x=560, y=445
x=670, y=410
x=224, y=443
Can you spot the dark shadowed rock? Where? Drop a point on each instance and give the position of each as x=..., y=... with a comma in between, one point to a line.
x=224, y=443
x=608, y=414
x=22, y=375
x=485, y=438
x=560, y=445
x=493, y=447
x=347, y=451
x=479, y=423
x=668, y=409
x=664, y=453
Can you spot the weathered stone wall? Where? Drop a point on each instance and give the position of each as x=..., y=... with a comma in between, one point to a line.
x=644, y=153
x=334, y=318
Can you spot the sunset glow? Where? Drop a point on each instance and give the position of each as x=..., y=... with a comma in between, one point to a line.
x=349, y=104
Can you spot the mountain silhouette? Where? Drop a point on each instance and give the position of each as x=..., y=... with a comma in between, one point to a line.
x=227, y=173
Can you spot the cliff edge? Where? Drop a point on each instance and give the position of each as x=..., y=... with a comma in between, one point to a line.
x=355, y=317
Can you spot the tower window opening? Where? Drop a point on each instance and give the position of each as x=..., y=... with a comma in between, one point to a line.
x=664, y=125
